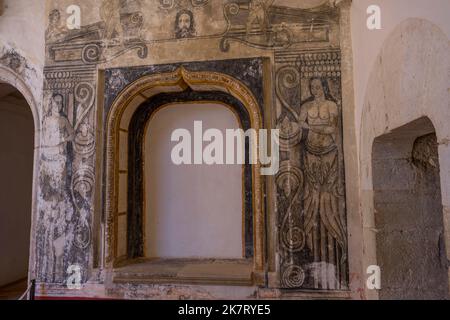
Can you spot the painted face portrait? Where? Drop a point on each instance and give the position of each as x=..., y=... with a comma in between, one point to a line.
x=317, y=89
x=54, y=18
x=184, y=22
x=57, y=104
x=184, y=25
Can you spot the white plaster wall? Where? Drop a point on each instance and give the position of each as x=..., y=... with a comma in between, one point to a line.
x=22, y=27
x=16, y=169
x=367, y=44
x=192, y=211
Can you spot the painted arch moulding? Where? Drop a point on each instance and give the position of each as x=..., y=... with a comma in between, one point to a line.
x=119, y=115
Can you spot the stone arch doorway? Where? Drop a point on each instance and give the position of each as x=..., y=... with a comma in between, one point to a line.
x=407, y=97
x=121, y=192
x=17, y=141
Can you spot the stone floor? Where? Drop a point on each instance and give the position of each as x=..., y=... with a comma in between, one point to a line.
x=14, y=290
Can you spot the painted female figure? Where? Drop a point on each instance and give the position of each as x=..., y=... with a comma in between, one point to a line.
x=56, y=213
x=323, y=223
x=57, y=132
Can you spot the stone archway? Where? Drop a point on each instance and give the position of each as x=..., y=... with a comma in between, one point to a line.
x=118, y=120
x=410, y=244
x=407, y=83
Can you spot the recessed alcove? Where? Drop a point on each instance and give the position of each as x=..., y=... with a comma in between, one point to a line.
x=16, y=172
x=195, y=223
x=191, y=210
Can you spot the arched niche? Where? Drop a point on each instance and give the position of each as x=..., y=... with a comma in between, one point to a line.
x=156, y=90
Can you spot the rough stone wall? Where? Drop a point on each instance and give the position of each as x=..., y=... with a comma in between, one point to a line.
x=73, y=58
x=367, y=44
x=410, y=234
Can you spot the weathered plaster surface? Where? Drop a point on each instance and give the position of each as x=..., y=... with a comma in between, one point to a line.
x=23, y=51
x=406, y=83
x=136, y=35
x=408, y=215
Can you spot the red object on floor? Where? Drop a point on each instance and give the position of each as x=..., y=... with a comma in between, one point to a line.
x=53, y=298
